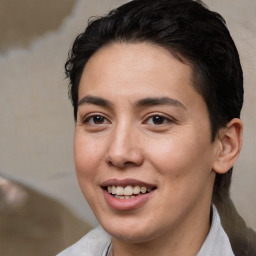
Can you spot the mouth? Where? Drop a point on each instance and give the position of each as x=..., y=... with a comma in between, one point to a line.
x=128, y=191
x=127, y=194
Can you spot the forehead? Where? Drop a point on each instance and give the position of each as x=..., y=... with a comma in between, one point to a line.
x=136, y=70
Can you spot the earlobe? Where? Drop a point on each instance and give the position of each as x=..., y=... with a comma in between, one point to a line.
x=230, y=139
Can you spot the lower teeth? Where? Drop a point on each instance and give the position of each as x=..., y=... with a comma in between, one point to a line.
x=123, y=197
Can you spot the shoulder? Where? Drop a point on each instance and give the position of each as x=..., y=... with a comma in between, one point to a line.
x=95, y=243
x=217, y=241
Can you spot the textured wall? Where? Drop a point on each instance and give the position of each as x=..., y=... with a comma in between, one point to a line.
x=36, y=128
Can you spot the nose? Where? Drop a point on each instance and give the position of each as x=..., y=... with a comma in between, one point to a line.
x=124, y=148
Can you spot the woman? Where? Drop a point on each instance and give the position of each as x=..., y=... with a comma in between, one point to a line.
x=157, y=90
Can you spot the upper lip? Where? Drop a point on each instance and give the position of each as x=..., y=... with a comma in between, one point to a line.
x=126, y=182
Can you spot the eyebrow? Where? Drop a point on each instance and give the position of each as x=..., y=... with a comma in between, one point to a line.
x=159, y=101
x=95, y=101
x=145, y=102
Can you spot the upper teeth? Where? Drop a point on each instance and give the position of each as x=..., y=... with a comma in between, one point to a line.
x=128, y=190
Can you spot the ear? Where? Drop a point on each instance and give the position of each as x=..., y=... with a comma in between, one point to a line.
x=230, y=143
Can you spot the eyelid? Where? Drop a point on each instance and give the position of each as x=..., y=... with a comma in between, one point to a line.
x=85, y=119
x=90, y=118
x=168, y=119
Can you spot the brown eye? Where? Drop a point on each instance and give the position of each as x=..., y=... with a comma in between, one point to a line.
x=96, y=120
x=158, y=120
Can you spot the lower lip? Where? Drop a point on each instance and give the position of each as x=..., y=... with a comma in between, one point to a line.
x=127, y=204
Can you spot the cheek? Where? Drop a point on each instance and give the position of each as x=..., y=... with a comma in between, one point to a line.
x=184, y=165
x=181, y=155
x=87, y=156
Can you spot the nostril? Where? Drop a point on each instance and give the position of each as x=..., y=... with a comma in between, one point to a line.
x=121, y=164
x=124, y=154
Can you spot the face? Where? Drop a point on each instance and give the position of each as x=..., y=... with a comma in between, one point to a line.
x=142, y=146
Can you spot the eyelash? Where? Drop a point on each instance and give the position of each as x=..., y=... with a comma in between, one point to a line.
x=93, y=117
x=162, y=120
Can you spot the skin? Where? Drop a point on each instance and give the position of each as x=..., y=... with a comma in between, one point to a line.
x=127, y=140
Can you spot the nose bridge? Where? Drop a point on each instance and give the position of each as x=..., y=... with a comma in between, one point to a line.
x=124, y=146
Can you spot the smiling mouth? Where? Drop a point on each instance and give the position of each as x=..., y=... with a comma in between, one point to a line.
x=127, y=192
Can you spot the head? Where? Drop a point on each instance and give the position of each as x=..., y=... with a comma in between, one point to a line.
x=192, y=34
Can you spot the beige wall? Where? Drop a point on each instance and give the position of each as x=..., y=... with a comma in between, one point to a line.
x=36, y=128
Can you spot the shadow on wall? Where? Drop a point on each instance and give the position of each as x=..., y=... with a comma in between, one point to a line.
x=33, y=224
x=23, y=21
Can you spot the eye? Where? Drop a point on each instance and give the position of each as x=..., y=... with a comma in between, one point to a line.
x=158, y=120
x=96, y=120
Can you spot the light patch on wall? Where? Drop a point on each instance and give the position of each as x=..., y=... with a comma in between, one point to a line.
x=22, y=21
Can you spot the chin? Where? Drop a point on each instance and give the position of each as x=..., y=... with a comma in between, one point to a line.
x=130, y=232
x=131, y=237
